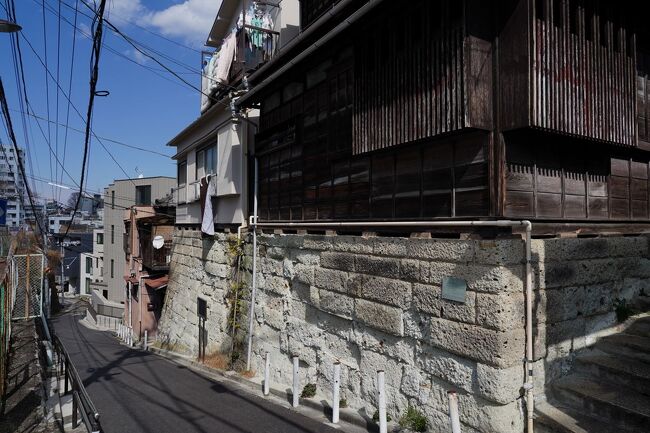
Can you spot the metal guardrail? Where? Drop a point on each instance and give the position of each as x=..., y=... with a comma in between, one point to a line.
x=81, y=402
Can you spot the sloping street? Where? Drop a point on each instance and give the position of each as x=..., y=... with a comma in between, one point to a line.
x=140, y=392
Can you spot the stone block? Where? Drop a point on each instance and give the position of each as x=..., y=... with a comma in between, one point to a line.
x=350, y=244
x=599, y=298
x=336, y=260
x=500, y=385
x=564, y=337
x=409, y=270
x=489, y=417
x=336, y=303
x=503, y=311
x=412, y=381
x=303, y=273
x=317, y=242
x=459, y=251
x=388, y=291
x=599, y=326
x=497, y=348
x=480, y=278
x=306, y=257
x=399, y=348
x=427, y=298
x=379, y=316
x=277, y=285
x=380, y=266
x=443, y=365
x=500, y=252
x=330, y=279
x=396, y=247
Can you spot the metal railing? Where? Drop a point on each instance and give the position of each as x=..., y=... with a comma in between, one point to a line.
x=81, y=402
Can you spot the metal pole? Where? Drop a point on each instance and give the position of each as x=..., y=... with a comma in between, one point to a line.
x=453, y=411
x=146, y=338
x=61, y=285
x=267, y=367
x=251, y=314
x=296, y=382
x=335, y=392
x=381, y=398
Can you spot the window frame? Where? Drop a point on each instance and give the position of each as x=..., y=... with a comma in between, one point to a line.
x=200, y=166
x=138, y=201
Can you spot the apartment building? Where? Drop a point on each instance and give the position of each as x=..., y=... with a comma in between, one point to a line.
x=12, y=186
x=120, y=195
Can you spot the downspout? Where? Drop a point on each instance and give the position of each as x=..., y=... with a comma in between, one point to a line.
x=251, y=313
x=528, y=283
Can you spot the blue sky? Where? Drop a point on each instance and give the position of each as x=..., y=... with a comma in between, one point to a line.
x=143, y=109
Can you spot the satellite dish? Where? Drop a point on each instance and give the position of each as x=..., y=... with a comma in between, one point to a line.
x=158, y=242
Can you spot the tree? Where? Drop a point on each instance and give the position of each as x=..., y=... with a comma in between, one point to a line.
x=72, y=200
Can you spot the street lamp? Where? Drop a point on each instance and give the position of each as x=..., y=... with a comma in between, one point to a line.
x=9, y=27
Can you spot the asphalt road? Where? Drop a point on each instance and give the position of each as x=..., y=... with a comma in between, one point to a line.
x=140, y=392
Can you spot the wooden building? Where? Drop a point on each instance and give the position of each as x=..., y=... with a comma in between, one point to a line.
x=385, y=110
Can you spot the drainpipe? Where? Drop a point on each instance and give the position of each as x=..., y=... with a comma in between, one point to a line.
x=527, y=225
x=251, y=313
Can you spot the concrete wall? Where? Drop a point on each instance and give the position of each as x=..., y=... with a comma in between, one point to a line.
x=375, y=303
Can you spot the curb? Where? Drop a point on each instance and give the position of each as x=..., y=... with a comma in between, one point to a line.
x=346, y=415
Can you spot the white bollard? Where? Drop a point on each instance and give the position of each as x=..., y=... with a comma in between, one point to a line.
x=267, y=368
x=146, y=337
x=295, y=382
x=335, y=392
x=453, y=411
x=381, y=398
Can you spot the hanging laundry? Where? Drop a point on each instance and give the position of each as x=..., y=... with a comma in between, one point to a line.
x=227, y=54
x=208, y=190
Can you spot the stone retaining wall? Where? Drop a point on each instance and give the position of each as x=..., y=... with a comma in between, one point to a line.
x=375, y=303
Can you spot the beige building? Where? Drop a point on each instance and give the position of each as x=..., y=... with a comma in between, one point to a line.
x=120, y=195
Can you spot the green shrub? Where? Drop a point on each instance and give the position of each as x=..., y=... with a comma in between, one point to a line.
x=343, y=403
x=414, y=420
x=375, y=417
x=308, y=391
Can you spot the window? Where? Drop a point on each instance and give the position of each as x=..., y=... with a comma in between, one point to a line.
x=206, y=161
x=105, y=294
x=100, y=238
x=89, y=265
x=143, y=195
x=88, y=281
x=96, y=262
x=112, y=268
x=112, y=199
x=182, y=173
x=112, y=234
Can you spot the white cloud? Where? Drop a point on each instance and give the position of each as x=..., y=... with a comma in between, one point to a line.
x=121, y=11
x=137, y=56
x=188, y=20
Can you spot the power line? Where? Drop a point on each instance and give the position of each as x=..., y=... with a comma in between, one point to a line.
x=67, y=114
x=97, y=45
x=12, y=137
x=142, y=149
x=58, y=68
x=47, y=85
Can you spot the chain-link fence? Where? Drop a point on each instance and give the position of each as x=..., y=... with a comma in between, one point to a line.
x=6, y=305
x=28, y=285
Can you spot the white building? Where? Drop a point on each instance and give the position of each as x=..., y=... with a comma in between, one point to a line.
x=12, y=186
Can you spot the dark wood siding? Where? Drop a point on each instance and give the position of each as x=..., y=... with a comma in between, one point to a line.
x=581, y=76
x=547, y=177
x=427, y=76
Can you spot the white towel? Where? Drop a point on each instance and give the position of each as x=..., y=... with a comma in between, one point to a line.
x=207, y=224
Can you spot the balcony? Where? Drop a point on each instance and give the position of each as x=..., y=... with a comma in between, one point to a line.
x=155, y=259
x=252, y=45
